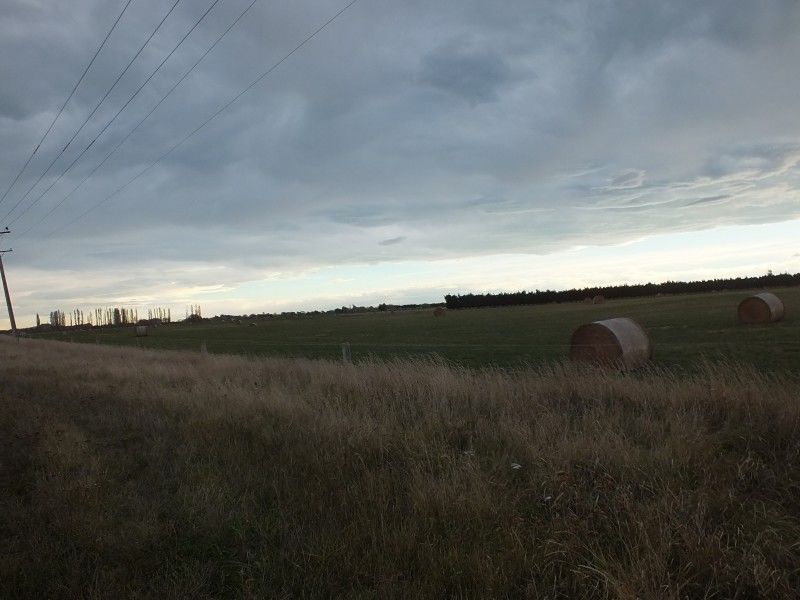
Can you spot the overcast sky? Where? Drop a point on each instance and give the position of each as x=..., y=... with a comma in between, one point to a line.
x=409, y=150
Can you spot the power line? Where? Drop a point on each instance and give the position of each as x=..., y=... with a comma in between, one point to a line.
x=152, y=110
x=207, y=121
x=72, y=93
x=74, y=135
x=114, y=118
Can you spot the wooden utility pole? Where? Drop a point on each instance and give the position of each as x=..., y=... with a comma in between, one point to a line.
x=5, y=288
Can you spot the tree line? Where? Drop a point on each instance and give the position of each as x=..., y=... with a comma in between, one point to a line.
x=100, y=317
x=454, y=301
x=194, y=312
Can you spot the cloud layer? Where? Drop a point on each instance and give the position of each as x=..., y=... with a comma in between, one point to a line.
x=404, y=131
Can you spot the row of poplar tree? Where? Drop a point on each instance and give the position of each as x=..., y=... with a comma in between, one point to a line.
x=105, y=316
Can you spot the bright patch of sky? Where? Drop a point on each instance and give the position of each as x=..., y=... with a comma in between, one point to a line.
x=721, y=252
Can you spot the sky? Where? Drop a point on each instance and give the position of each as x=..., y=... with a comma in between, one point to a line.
x=408, y=150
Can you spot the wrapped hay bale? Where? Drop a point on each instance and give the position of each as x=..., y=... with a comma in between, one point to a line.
x=761, y=308
x=619, y=341
x=598, y=299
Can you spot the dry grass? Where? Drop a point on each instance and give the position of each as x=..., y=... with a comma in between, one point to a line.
x=132, y=473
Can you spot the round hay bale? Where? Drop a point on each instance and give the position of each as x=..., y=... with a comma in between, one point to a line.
x=439, y=312
x=141, y=331
x=619, y=341
x=598, y=299
x=761, y=308
x=588, y=300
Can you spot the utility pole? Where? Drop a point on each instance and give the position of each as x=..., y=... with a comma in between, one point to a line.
x=5, y=288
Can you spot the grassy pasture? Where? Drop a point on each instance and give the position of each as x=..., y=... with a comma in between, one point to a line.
x=153, y=474
x=684, y=329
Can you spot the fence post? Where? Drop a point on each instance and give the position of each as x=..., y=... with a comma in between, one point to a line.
x=203, y=348
x=346, y=356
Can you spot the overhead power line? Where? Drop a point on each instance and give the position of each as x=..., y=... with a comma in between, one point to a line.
x=136, y=127
x=74, y=135
x=207, y=121
x=114, y=118
x=72, y=93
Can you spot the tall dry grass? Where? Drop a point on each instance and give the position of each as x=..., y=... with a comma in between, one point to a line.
x=129, y=473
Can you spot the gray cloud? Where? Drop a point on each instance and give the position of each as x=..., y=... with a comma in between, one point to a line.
x=475, y=75
x=718, y=199
x=627, y=180
x=392, y=241
x=466, y=127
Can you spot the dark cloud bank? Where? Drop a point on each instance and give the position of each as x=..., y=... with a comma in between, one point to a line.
x=411, y=130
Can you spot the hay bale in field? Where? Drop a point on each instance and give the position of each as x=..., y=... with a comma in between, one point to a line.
x=588, y=300
x=141, y=331
x=761, y=308
x=439, y=312
x=598, y=299
x=619, y=341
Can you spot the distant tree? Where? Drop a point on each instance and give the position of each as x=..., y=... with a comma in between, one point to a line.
x=38, y=322
x=58, y=318
x=620, y=291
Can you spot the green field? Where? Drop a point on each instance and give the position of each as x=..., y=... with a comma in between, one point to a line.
x=684, y=330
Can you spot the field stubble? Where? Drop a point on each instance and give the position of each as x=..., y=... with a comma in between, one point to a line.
x=160, y=474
